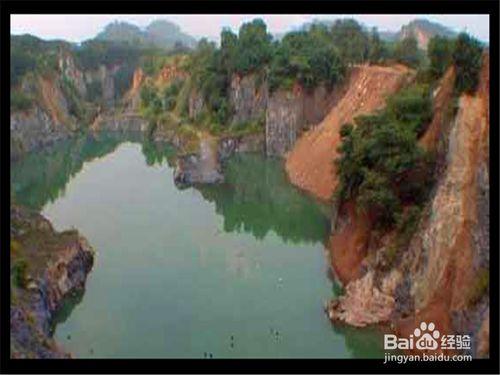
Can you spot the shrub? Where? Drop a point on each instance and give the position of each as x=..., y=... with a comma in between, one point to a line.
x=351, y=40
x=308, y=57
x=20, y=101
x=467, y=60
x=412, y=107
x=439, y=52
x=170, y=94
x=381, y=166
x=479, y=287
x=407, y=52
x=20, y=273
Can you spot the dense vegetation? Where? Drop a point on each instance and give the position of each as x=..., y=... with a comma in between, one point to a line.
x=464, y=52
x=381, y=166
x=467, y=60
x=317, y=54
x=31, y=54
x=307, y=57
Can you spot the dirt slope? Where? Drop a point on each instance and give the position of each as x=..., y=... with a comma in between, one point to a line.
x=310, y=163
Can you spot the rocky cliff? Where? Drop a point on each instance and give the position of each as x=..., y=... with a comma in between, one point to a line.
x=62, y=102
x=309, y=164
x=46, y=121
x=43, y=275
x=248, y=98
x=291, y=112
x=443, y=274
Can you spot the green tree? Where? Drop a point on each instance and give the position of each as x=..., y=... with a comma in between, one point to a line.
x=254, y=47
x=377, y=51
x=229, y=50
x=467, y=60
x=381, y=165
x=439, y=52
x=406, y=51
x=308, y=57
x=351, y=41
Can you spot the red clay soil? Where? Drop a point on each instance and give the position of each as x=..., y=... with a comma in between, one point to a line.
x=349, y=243
x=441, y=111
x=310, y=164
x=451, y=277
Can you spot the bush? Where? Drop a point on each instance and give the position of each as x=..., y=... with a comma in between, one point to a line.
x=439, y=52
x=381, y=166
x=480, y=286
x=351, y=40
x=407, y=52
x=170, y=94
x=20, y=101
x=20, y=273
x=412, y=107
x=467, y=60
x=308, y=57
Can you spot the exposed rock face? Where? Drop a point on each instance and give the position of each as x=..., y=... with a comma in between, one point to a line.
x=442, y=276
x=170, y=73
x=229, y=146
x=71, y=72
x=283, y=122
x=58, y=268
x=203, y=168
x=32, y=130
x=104, y=76
x=248, y=98
x=120, y=123
x=195, y=104
x=364, y=302
x=349, y=242
x=310, y=163
x=443, y=111
x=46, y=122
x=289, y=113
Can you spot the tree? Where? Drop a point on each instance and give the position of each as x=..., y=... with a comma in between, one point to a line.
x=351, y=41
x=407, y=51
x=467, y=60
x=229, y=50
x=381, y=165
x=308, y=57
x=377, y=51
x=439, y=52
x=254, y=47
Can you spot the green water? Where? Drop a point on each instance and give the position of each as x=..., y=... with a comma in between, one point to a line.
x=181, y=273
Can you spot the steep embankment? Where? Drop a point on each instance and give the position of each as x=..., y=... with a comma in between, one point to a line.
x=442, y=276
x=58, y=102
x=310, y=163
x=46, y=268
x=47, y=120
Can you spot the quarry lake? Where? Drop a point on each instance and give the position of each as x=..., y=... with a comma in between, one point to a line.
x=236, y=270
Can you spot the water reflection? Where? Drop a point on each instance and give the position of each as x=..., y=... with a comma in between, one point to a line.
x=41, y=177
x=257, y=198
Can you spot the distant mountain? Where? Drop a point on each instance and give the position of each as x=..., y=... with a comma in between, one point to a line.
x=160, y=33
x=422, y=29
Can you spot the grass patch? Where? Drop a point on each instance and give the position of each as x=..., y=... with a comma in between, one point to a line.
x=480, y=287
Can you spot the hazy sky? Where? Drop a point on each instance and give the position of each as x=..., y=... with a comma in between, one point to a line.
x=77, y=28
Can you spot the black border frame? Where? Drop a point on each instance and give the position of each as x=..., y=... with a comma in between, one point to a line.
x=7, y=364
